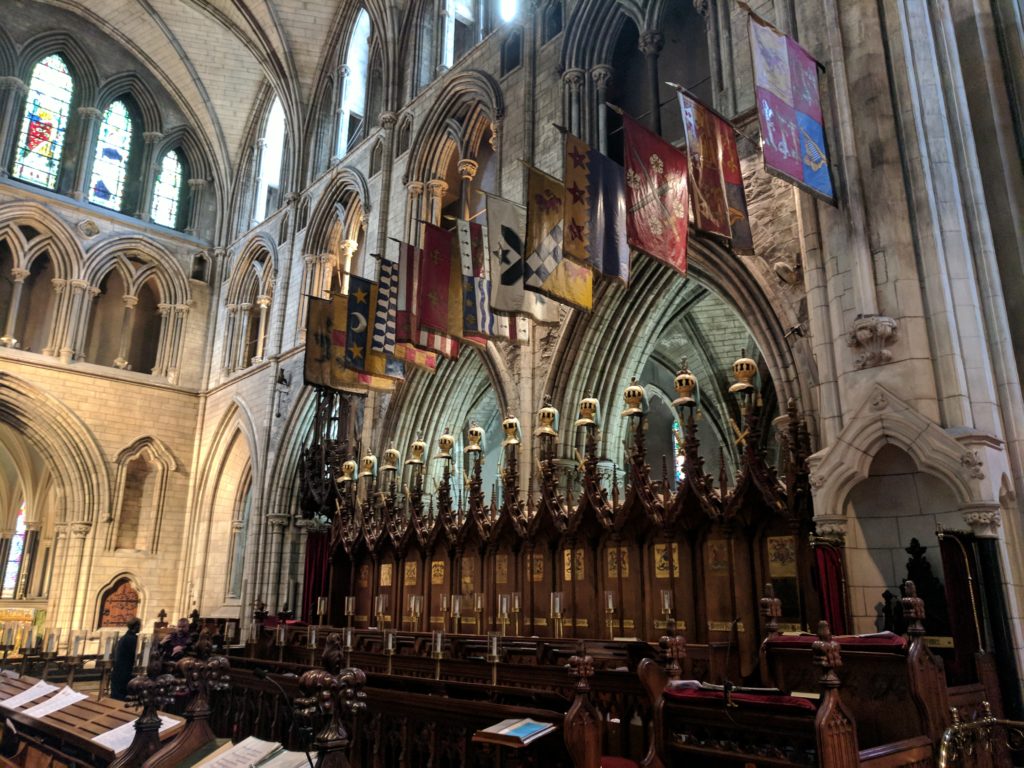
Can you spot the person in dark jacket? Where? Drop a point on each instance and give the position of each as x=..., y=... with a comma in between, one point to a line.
x=124, y=660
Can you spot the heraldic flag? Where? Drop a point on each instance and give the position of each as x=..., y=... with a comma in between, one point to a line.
x=657, y=201
x=716, y=180
x=506, y=228
x=406, y=328
x=326, y=321
x=789, y=109
x=595, y=210
x=359, y=354
x=547, y=272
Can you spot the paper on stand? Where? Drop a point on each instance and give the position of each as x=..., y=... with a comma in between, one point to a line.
x=29, y=694
x=65, y=697
x=286, y=760
x=117, y=740
x=244, y=754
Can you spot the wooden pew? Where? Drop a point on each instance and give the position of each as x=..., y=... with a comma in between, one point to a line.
x=65, y=738
x=698, y=728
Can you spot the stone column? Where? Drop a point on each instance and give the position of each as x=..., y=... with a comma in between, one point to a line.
x=176, y=341
x=28, y=561
x=81, y=295
x=88, y=121
x=18, y=275
x=277, y=523
x=651, y=43
x=242, y=334
x=196, y=188
x=340, y=115
x=436, y=188
x=59, y=316
x=602, y=76
x=257, y=162
x=467, y=172
x=73, y=581
x=414, y=205
x=346, y=250
x=163, y=346
x=5, y=547
x=230, y=338
x=574, y=79
x=127, y=324
x=263, y=302
x=387, y=123
x=147, y=174
x=12, y=95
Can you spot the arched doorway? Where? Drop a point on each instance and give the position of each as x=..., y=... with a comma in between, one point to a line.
x=119, y=603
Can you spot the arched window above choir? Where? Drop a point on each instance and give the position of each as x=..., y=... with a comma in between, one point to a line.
x=113, y=176
x=354, y=85
x=270, y=155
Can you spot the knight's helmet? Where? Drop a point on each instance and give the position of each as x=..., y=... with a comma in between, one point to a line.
x=547, y=418
x=513, y=432
x=417, y=450
x=636, y=399
x=348, y=472
x=590, y=413
x=368, y=466
x=685, y=384
x=392, y=458
x=445, y=443
x=474, y=438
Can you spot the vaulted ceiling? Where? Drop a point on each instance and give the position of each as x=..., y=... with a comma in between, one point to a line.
x=214, y=56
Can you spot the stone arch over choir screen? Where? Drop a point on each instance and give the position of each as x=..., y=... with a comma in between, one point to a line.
x=230, y=466
x=583, y=364
x=158, y=121
x=81, y=483
x=248, y=299
x=458, y=393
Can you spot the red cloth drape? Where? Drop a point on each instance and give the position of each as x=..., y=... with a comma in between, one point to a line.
x=958, y=570
x=317, y=573
x=828, y=577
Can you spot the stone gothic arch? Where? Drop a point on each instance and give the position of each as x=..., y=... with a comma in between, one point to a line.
x=145, y=494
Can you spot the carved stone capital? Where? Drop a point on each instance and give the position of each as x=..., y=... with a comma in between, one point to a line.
x=347, y=248
x=388, y=120
x=651, y=43
x=197, y=185
x=414, y=188
x=437, y=187
x=89, y=113
x=18, y=274
x=468, y=168
x=263, y=301
x=871, y=334
x=831, y=527
x=80, y=530
x=278, y=520
x=602, y=76
x=130, y=301
x=13, y=83
x=983, y=519
x=152, y=137
x=574, y=78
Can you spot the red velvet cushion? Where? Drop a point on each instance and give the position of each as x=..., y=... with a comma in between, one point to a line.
x=618, y=762
x=693, y=695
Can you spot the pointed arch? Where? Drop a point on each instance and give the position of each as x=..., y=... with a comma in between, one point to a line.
x=137, y=512
x=130, y=84
x=78, y=60
x=345, y=183
x=53, y=237
x=159, y=265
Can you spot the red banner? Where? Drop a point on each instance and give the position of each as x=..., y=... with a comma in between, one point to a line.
x=658, y=207
x=432, y=295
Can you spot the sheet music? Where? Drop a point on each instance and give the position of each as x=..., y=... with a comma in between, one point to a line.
x=244, y=754
x=118, y=739
x=29, y=694
x=286, y=760
x=65, y=697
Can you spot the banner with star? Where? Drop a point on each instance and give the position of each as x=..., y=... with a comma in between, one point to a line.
x=359, y=354
x=506, y=228
x=324, y=365
x=657, y=199
x=595, y=210
x=789, y=110
x=716, y=179
x=546, y=271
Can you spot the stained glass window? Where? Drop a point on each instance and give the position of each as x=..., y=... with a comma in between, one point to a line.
x=167, y=191
x=110, y=165
x=43, y=129
x=268, y=190
x=13, y=567
x=677, y=451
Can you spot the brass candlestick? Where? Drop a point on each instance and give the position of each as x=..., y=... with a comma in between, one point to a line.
x=557, y=618
x=610, y=621
x=503, y=623
x=515, y=621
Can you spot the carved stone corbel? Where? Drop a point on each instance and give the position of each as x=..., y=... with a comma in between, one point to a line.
x=871, y=334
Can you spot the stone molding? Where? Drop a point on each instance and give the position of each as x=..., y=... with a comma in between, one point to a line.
x=871, y=334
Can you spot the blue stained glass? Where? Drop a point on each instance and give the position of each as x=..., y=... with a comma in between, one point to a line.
x=167, y=192
x=111, y=163
x=43, y=129
x=13, y=566
x=677, y=451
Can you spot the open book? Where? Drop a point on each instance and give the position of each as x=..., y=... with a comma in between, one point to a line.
x=517, y=732
x=254, y=752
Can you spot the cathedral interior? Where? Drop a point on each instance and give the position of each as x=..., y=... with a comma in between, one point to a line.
x=823, y=418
